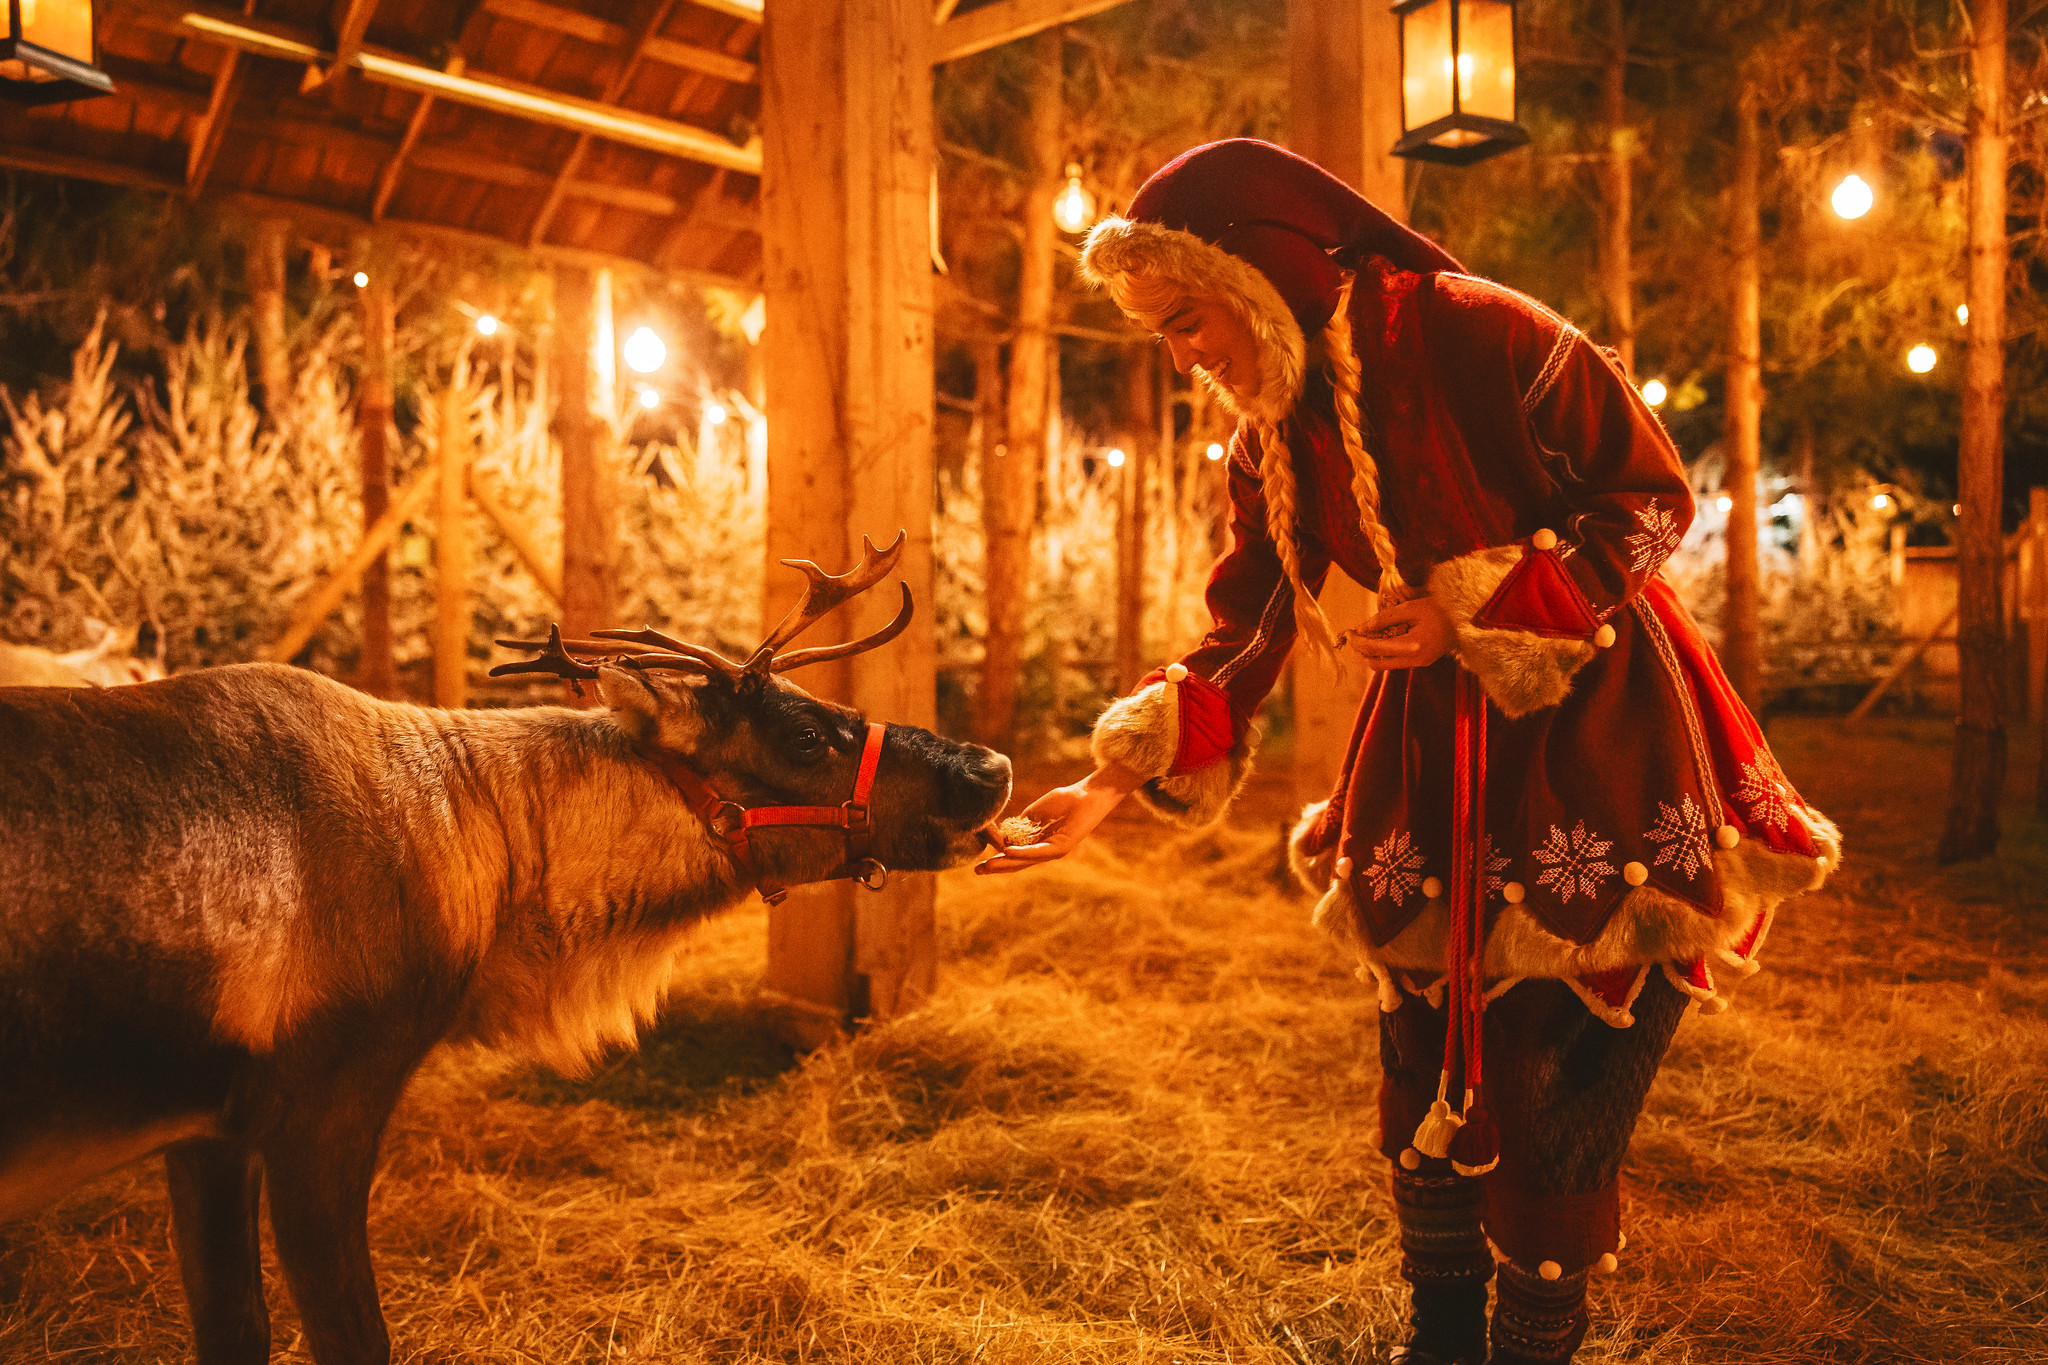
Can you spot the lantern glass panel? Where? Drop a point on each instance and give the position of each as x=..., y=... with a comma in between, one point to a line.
x=63, y=26
x=1426, y=64
x=1486, y=58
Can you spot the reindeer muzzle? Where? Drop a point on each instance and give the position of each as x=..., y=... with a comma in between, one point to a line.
x=735, y=824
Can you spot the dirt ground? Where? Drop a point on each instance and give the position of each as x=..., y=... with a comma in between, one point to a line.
x=1134, y=1125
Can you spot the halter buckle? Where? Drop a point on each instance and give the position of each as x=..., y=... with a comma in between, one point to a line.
x=726, y=818
x=871, y=874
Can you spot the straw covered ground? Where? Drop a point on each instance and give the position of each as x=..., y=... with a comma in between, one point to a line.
x=1134, y=1125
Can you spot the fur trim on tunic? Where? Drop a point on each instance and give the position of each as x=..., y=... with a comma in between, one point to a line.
x=1520, y=670
x=1648, y=927
x=1142, y=732
x=1118, y=249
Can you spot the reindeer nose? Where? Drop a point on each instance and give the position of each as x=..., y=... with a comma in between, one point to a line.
x=984, y=775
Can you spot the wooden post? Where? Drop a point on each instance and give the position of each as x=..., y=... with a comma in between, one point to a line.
x=1741, y=649
x=588, y=599
x=1345, y=115
x=1141, y=393
x=376, y=672
x=847, y=354
x=1617, y=213
x=2033, y=594
x=1977, y=777
x=451, y=552
x=266, y=291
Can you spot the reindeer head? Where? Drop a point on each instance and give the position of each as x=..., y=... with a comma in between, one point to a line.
x=739, y=738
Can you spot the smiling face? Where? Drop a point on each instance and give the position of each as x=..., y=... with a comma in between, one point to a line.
x=1208, y=334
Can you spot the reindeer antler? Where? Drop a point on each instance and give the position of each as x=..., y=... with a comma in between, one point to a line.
x=823, y=593
x=554, y=658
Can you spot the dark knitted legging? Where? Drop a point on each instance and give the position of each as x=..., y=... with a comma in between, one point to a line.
x=1564, y=1089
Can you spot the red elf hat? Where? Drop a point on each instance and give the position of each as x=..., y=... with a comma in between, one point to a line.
x=1267, y=232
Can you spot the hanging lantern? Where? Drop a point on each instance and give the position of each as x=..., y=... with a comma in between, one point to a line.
x=1074, y=210
x=46, y=53
x=1457, y=80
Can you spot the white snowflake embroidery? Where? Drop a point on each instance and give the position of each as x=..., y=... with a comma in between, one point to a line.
x=1682, y=832
x=1574, y=864
x=1763, y=792
x=1659, y=536
x=1396, y=868
x=1494, y=867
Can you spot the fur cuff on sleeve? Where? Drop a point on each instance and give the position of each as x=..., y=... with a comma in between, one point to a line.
x=1520, y=670
x=1142, y=732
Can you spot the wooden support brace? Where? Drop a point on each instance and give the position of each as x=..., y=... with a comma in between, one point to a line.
x=1899, y=666
x=549, y=576
x=329, y=594
x=451, y=553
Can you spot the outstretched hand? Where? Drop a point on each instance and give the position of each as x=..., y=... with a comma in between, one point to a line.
x=1062, y=819
x=1414, y=634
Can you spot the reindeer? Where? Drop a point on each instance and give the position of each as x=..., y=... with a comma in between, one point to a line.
x=239, y=906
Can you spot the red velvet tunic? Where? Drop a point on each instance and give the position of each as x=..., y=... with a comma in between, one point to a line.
x=1493, y=421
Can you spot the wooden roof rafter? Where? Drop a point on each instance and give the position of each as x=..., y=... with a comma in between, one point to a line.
x=351, y=23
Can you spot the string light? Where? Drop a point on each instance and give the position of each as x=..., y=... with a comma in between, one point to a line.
x=645, y=351
x=715, y=414
x=1074, y=210
x=1116, y=459
x=649, y=398
x=1853, y=197
x=1724, y=502
x=487, y=325
x=362, y=280
x=1655, y=393
x=1920, y=359
x=1215, y=451
x=1881, y=501
x=1963, y=314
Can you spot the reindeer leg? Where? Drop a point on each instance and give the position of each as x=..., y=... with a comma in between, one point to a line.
x=320, y=1160
x=216, y=1193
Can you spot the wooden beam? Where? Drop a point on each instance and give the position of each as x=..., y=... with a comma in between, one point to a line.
x=749, y=10
x=351, y=22
x=376, y=667
x=443, y=160
x=514, y=99
x=36, y=159
x=266, y=309
x=1006, y=21
x=613, y=88
x=328, y=595
x=549, y=576
x=587, y=564
x=387, y=179
x=604, y=33
x=213, y=124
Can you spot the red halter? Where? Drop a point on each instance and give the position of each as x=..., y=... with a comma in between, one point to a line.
x=731, y=821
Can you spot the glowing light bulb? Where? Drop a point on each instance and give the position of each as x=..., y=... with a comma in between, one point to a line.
x=1215, y=451
x=1074, y=210
x=715, y=414
x=1116, y=459
x=1963, y=313
x=1881, y=501
x=649, y=398
x=1724, y=502
x=361, y=279
x=1655, y=393
x=1853, y=197
x=1920, y=359
x=487, y=325
x=645, y=351
x=1956, y=510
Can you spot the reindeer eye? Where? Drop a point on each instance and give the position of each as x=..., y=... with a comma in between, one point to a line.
x=808, y=741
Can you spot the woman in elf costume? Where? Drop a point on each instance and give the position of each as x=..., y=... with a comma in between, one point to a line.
x=1556, y=822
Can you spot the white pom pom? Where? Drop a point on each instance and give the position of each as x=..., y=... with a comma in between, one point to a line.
x=1621, y=1241
x=1433, y=1135
x=1176, y=672
x=1343, y=868
x=1550, y=1270
x=1727, y=836
x=1607, y=1264
x=1603, y=637
x=1635, y=874
x=1513, y=892
x=1432, y=887
x=1545, y=539
x=1410, y=1159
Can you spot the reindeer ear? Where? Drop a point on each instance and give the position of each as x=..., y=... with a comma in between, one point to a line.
x=654, y=708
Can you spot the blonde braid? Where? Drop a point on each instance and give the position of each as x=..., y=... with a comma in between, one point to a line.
x=1276, y=472
x=1365, y=474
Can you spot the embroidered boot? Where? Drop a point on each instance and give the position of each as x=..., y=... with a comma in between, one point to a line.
x=1447, y=1263
x=1538, y=1321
